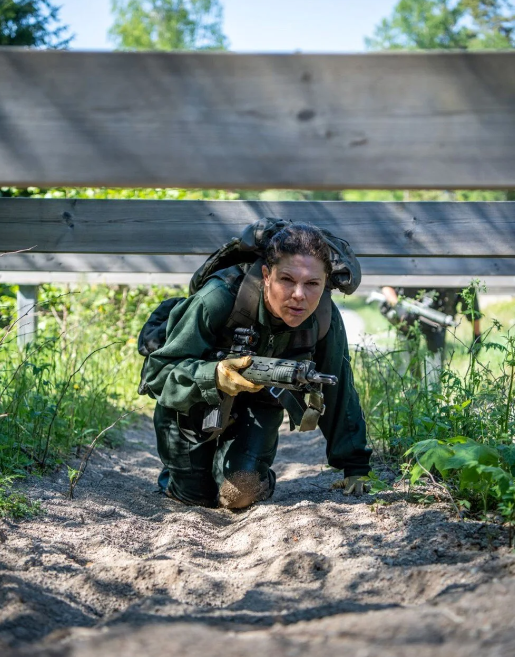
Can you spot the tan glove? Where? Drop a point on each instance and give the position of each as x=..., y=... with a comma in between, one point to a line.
x=230, y=381
x=353, y=485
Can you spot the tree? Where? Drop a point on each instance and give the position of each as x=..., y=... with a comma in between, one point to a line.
x=31, y=23
x=167, y=25
x=495, y=21
x=442, y=24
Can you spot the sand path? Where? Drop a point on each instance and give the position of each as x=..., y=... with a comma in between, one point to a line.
x=123, y=570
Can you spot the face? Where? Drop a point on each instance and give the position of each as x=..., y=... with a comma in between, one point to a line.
x=293, y=288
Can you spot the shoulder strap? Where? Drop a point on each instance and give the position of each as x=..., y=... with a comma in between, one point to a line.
x=323, y=314
x=245, y=310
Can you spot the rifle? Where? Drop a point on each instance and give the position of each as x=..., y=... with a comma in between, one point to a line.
x=405, y=308
x=277, y=374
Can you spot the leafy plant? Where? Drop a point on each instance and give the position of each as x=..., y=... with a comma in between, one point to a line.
x=456, y=434
x=75, y=380
x=15, y=504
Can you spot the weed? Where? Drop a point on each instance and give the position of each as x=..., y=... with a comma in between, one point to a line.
x=13, y=503
x=76, y=378
x=455, y=434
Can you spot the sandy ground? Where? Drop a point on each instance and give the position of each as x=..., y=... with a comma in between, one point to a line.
x=123, y=570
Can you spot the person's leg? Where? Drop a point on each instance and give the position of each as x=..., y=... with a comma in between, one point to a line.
x=187, y=472
x=244, y=458
x=408, y=354
x=435, y=340
x=433, y=366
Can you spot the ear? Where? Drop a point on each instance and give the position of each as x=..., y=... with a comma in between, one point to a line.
x=266, y=274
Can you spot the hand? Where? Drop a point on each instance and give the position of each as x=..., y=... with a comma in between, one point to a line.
x=230, y=381
x=353, y=485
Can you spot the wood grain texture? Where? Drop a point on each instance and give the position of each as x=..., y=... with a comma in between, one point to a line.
x=129, y=267
x=494, y=284
x=200, y=227
x=222, y=120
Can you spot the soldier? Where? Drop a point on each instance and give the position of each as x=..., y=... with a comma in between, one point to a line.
x=234, y=470
x=445, y=300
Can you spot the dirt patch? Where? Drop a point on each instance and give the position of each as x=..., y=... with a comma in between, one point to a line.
x=242, y=489
x=122, y=568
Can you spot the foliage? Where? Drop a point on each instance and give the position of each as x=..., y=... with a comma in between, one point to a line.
x=14, y=504
x=168, y=194
x=442, y=24
x=174, y=194
x=167, y=25
x=76, y=379
x=457, y=433
x=31, y=23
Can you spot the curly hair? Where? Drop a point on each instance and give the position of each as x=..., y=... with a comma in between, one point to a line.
x=298, y=239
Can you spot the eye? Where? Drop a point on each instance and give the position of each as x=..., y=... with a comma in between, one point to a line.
x=314, y=283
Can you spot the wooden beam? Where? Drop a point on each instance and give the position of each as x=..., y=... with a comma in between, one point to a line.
x=222, y=120
x=493, y=283
x=142, y=265
x=200, y=227
x=108, y=263
x=461, y=267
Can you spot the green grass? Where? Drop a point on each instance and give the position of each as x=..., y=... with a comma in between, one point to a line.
x=82, y=373
x=73, y=381
x=457, y=434
x=369, y=312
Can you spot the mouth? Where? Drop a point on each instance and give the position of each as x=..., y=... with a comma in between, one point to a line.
x=295, y=310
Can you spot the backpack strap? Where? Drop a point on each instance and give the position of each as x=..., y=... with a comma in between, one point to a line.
x=323, y=314
x=245, y=310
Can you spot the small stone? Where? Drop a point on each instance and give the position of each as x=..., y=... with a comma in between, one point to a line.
x=107, y=511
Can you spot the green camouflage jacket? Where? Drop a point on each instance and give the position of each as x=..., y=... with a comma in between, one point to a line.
x=181, y=375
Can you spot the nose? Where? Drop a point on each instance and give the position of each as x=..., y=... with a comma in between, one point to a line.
x=298, y=292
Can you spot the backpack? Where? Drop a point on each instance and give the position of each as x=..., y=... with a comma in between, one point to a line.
x=346, y=274
x=246, y=254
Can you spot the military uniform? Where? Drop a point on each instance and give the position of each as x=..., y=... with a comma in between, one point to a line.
x=181, y=376
x=445, y=300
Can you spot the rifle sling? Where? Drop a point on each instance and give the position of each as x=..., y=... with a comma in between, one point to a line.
x=302, y=416
x=245, y=310
x=313, y=412
x=291, y=403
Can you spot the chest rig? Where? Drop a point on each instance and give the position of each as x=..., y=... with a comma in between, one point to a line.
x=304, y=410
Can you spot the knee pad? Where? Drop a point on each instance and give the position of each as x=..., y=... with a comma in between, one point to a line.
x=243, y=488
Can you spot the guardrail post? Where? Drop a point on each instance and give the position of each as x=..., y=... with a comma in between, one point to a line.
x=27, y=318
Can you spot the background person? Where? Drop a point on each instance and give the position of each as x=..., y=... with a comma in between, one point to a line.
x=445, y=300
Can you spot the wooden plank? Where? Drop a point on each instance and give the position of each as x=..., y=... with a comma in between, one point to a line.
x=200, y=227
x=63, y=263
x=91, y=262
x=92, y=278
x=493, y=283
x=224, y=120
x=27, y=298
x=469, y=267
